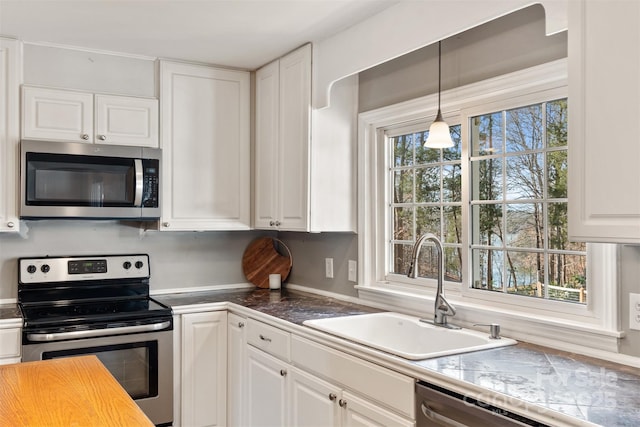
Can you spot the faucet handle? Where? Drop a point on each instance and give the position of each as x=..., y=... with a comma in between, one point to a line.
x=494, y=329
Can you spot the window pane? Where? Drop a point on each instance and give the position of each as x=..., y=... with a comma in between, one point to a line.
x=428, y=261
x=403, y=223
x=525, y=225
x=486, y=134
x=428, y=185
x=428, y=220
x=487, y=225
x=487, y=175
x=557, y=123
x=452, y=183
x=567, y=277
x=487, y=269
x=558, y=229
x=557, y=174
x=524, y=128
x=425, y=155
x=452, y=216
x=525, y=273
x=402, y=150
x=453, y=264
x=525, y=177
x=455, y=152
x=403, y=186
x=401, y=257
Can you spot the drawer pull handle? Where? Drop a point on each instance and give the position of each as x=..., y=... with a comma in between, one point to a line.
x=342, y=403
x=283, y=372
x=439, y=419
x=332, y=396
x=263, y=338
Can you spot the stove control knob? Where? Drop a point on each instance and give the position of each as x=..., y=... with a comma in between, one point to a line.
x=139, y=264
x=31, y=269
x=126, y=265
x=45, y=268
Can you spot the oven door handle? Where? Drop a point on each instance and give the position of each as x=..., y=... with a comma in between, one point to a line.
x=57, y=336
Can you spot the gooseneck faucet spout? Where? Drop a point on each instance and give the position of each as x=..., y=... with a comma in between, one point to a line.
x=442, y=309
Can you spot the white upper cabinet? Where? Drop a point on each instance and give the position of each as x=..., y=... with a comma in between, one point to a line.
x=10, y=76
x=303, y=182
x=124, y=120
x=205, y=116
x=283, y=117
x=604, y=125
x=65, y=115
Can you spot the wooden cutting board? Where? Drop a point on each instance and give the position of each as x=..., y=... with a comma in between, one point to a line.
x=261, y=258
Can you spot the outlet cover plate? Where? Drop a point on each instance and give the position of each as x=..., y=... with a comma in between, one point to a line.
x=353, y=271
x=634, y=311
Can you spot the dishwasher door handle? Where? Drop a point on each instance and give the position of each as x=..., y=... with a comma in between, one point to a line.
x=432, y=415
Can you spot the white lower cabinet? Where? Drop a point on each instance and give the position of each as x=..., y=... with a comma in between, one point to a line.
x=203, y=369
x=10, y=344
x=236, y=349
x=293, y=381
x=266, y=394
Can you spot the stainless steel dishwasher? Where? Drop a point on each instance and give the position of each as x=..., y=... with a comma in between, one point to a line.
x=436, y=406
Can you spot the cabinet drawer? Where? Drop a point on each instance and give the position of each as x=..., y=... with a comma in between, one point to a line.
x=270, y=339
x=10, y=342
x=383, y=385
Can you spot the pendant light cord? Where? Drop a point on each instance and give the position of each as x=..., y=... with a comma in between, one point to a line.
x=439, y=71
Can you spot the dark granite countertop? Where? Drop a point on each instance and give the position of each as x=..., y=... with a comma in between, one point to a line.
x=587, y=389
x=9, y=312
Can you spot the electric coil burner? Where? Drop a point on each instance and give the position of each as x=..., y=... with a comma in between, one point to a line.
x=100, y=305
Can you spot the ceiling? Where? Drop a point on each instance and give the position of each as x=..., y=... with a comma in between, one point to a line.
x=236, y=33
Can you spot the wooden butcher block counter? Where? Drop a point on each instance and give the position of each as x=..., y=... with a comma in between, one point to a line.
x=75, y=391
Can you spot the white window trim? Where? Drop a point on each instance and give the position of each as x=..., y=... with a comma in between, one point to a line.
x=590, y=329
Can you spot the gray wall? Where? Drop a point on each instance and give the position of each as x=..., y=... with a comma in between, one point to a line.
x=629, y=268
x=177, y=259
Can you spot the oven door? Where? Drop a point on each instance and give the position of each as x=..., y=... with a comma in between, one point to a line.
x=142, y=363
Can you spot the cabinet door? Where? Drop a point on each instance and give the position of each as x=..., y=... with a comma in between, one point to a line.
x=358, y=412
x=266, y=393
x=313, y=402
x=237, y=342
x=604, y=106
x=204, y=367
x=266, y=146
x=205, y=148
x=295, y=120
x=10, y=72
x=124, y=120
x=52, y=114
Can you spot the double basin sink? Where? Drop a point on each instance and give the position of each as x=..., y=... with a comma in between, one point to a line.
x=406, y=336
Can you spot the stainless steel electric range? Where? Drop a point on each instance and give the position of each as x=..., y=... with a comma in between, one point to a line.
x=79, y=305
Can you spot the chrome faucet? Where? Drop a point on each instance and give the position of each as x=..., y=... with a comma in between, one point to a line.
x=442, y=309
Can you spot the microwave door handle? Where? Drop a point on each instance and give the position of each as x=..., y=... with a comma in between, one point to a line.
x=139, y=177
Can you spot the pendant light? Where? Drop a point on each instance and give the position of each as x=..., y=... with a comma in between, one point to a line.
x=439, y=135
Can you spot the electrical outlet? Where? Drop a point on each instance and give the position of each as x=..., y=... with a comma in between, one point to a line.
x=328, y=268
x=634, y=311
x=353, y=271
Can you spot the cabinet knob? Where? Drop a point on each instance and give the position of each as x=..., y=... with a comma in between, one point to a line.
x=342, y=403
x=272, y=223
x=85, y=136
x=332, y=396
x=10, y=224
x=165, y=224
x=283, y=372
x=240, y=324
x=102, y=137
x=277, y=223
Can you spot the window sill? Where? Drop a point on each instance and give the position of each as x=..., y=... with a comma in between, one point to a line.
x=555, y=333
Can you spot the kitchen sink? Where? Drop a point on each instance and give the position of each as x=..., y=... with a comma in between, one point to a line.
x=406, y=336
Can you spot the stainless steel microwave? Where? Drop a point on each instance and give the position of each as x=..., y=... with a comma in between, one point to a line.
x=80, y=180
